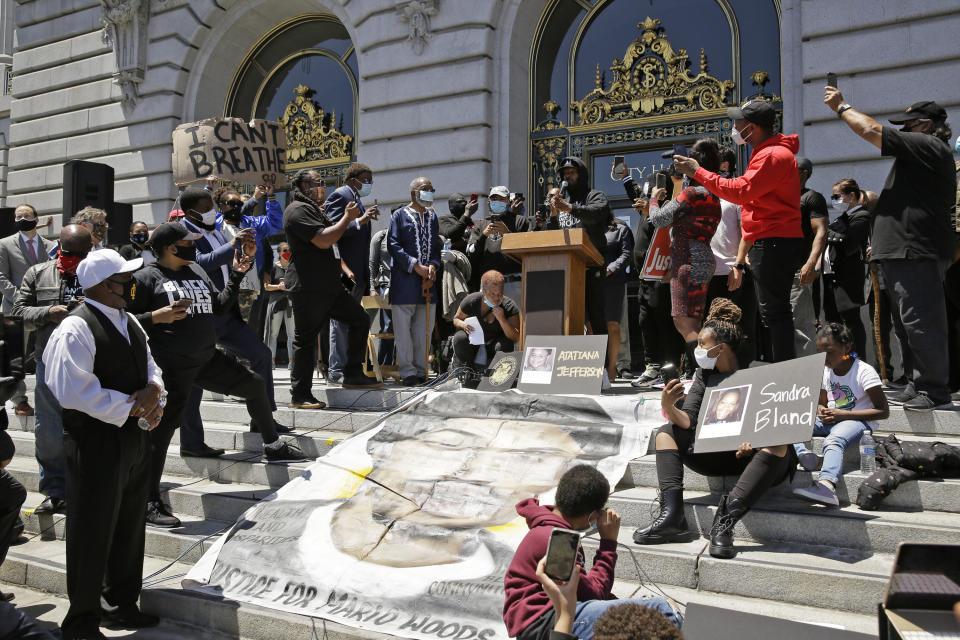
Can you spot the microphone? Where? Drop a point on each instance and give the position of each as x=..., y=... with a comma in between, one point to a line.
x=563, y=189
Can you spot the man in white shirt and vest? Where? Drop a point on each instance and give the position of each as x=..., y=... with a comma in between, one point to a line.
x=100, y=369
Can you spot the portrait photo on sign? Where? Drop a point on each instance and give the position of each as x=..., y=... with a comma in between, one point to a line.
x=725, y=409
x=538, y=365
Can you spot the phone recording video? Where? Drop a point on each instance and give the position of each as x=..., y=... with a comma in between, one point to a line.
x=669, y=373
x=619, y=165
x=562, y=553
x=832, y=80
x=661, y=181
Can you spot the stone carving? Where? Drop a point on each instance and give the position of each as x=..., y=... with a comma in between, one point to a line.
x=652, y=78
x=125, y=29
x=417, y=14
x=311, y=133
x=548, y=148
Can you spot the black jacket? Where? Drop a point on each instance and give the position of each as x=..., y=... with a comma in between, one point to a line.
x=847, y=251
x=591, y=210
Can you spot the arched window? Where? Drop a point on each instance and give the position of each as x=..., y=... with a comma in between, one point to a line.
x=304, y=75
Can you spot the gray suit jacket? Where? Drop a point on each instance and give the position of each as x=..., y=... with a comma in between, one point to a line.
x=14, y=262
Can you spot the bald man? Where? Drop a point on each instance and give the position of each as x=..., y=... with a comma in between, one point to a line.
x=47, y=294
x=499, y=317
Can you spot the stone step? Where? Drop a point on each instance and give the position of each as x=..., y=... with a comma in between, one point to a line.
x=843, y=579
x=776, y=519
x=927, y=495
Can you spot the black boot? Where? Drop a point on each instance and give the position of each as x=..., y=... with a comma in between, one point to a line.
x=689, y=360
x=729, y=512
x=670, y=525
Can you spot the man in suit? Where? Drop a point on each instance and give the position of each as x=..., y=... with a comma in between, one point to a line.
x=354, y=246
x=18, y=253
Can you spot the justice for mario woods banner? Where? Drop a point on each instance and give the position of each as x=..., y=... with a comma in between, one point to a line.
x=766, y=406
x=252, y=152
x=408, y=527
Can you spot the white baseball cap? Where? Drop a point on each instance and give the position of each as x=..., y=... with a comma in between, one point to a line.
x=501, y=191
x=100, y=265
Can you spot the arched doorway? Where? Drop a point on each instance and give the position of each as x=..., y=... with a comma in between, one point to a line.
x=620, y=77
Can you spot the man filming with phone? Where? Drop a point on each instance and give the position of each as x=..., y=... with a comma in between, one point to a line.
x=484, y=247
x=555, y=533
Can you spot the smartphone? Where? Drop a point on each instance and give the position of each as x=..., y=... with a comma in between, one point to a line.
x=183, y=303
x=474, y=197
x=517, y=196
x=668, y=373
x=619, y=165
x=661, y=181
x=647, y=188
x=348, y=283
x=832, y=79
x=562, y=553
x=680, y=150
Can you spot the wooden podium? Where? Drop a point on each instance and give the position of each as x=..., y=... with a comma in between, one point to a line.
x=554, y=279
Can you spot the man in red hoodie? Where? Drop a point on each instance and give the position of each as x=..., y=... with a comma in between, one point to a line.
x=769, y=197
x=581, y=497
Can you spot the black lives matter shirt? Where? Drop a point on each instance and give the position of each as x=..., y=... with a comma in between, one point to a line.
x=192, y=339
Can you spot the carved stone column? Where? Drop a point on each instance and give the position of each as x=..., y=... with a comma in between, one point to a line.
x=125, y=29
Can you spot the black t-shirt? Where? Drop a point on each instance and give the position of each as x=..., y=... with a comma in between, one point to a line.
x=193, y=338
x=277, y=274
x=912, y=216
x=487, y=254
x=812, y=205
x=70, y=288
x=311, y=268
x=473, y=305
x=130, y=251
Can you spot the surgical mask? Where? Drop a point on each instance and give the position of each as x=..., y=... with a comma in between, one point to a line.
x=956, y=145
x=26, y=224
x=365, y=189
x=209, y=218
x=488, y=303
x=187, y=253
x=497, y=207
x=425, y=196
x=703, y=360
x=139, y=238
x=737, y=136
x=838, y=204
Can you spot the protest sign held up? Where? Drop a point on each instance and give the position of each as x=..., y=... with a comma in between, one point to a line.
x=252, y=152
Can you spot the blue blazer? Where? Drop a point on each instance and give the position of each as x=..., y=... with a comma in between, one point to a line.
x=354, y=244
x=405, y=284
x=263, y=226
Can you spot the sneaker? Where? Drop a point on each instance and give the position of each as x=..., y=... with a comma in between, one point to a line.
x=360, y=382
x=819, y=493
x=203, y=451
x=909, y=393
x=306, y=403
x=626, y=374
x=809, y=461
x=650, y=375
x=923, y=403
x=160, y=515
x=285, y=452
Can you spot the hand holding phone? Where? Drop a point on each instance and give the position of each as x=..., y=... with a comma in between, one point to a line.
x=832, y=80
x=619, y=167
x=661, y=181
x=681, y=150
x=668, y=372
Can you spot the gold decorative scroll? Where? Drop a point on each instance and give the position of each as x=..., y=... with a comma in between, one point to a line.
x=652, y=78
x=311, y=133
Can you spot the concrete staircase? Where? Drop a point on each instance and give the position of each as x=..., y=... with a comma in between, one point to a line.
x=795, y=560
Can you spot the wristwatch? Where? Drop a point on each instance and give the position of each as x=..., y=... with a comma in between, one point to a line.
x=843, y=108
x=740, y=266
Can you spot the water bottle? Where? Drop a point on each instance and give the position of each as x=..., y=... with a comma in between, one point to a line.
x=868, y=453
x=446, y=245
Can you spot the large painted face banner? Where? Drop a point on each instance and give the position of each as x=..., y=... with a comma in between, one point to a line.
x=408, y=527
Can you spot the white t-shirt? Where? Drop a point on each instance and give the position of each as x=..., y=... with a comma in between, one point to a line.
x=726, y=240
x=850, y=391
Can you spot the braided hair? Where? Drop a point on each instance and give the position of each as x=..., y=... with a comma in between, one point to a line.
x=838, y=332
x=723, y=319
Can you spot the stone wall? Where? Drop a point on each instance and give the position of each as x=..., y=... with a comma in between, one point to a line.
x=888, y=54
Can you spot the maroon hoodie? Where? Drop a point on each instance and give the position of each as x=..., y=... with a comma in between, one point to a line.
x=525, y=599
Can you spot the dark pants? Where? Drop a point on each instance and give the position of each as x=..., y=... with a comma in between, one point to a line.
x=744, y=297
x=240, y=340
x=661, y=342
x=107, y=486
x=774, y=262
x=595, y=293
x=466, y=353
x=310, y=312
x=16, y=625
x=849, y=317
x=916, y=290
x=12, y=496
x=951, y=287
x=890, y=318
x=222, y=373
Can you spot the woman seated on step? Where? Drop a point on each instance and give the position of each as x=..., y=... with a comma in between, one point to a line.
x=716, y=356
x=851, y=401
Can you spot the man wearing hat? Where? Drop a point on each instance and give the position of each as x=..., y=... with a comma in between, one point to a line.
x=100, y=369
x=768, y=193
x=484, y=247
x=913, y=240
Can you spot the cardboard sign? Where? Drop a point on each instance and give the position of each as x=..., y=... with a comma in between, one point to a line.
x=252, y=152
x=766, y=406
x=563, y=364
x=657, y=263
x=502, y=373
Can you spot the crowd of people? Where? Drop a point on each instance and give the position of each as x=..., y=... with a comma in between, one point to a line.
x=762, y=268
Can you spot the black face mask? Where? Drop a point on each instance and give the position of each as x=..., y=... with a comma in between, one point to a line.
x=457, y=208
x=187, y=253
x=139, y=238
x=129, y=289
x=26, y=224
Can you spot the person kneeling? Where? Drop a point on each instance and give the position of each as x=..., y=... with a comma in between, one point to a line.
x=716, y=356
x=499, y=318
x=581, y=499
x=851, y=401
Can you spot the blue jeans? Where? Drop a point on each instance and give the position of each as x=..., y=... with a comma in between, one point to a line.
x=839, y=436
x=48, y=435
x=338, y=342
x=589, y=611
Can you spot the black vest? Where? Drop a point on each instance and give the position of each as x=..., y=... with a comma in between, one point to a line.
x=118, y=364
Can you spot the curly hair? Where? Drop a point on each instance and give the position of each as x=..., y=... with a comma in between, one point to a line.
x=836, y=331
x=581, y=491
x=723, y=319
x=634, y=622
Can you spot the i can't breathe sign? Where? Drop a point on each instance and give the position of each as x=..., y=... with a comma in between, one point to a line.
x=253, y=152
